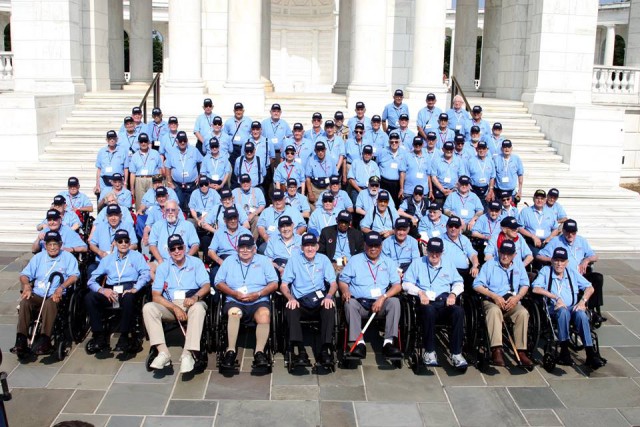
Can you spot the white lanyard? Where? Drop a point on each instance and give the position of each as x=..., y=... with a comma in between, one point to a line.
x=539, y=217
x=46, y=275
x=311, y=271
x=505, y=163
x=120, y=273
x=175, y=276
x=483, y=167
x=326, y=221
x=419, y=163
x=289, y=247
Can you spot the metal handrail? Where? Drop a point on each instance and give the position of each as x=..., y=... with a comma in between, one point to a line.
x=155, y=85
x=457, y=90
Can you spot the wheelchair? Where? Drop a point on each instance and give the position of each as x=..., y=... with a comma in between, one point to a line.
x=313, y=324
x=548, y=335
x=111, y=316
x=479, y=344
x=71, y=323
x=343, y=352
x=411, y=329
x=206, y=340
x=220, y=338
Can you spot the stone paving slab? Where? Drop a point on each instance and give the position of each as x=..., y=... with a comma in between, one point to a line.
x=178, y=421
x=476, y=406
x=268, y=414
x=84, y=401
x=124, y=421
x=437, y=414
x=385, y=414
x=541, y=417
x=135, y=399
x=591, y=417
x=242, y=386
x=535, y=397
x=620, y=393
x=337, y=414
x=200, y=408
x=20, y=409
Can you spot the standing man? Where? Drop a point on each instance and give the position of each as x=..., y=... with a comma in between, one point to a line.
x=393, y=168
x=182, y=167
x=482, y=173
x=238, y=129
x=539, y=224
x=203, y=127
x=275, y=128
x=359, y=118
x=110, y=160
x=458, y=116
x=509, y=171
x=428, y=116
x=391, y=113
x=144, y=164
x=157, y=128
x=318, y=171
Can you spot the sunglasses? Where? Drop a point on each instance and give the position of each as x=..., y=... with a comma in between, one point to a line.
x=177, y=248
x=121, y=241
x=453, y=226
x=290, y=152
x=359, y=131
x=394, y=142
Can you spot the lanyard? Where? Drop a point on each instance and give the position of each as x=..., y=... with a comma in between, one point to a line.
x=483, y=167
x=331, y=143
x=156, y=131
x=245, y=273
x=509, y=278
x=124, y=267
x=443, y=136
x=429, y=267
x=456, y=243
x=505, y=163
x=210, y=122
x=234, y=243
x=275, y=128
x=326, y=221
x=419, y=163
x=174, y=227
x=205, y=201
x=463, y=200
x=289, y=247
x=395, y=248
x=247, y=169
x=383, y=217
x=288, y=169
x=375, y=276
x=311, y=271
x=490, y=227
x=175, y=276
x=215, y=165
x=367, y=167
x=183, y=159
x=539, y=216
x=344, y=238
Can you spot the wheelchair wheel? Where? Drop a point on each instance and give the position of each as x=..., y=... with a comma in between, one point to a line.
x=210, y=326
x=153, y=352
x=534, y=328
x=575, y=341
x=78, y=318
x=549, y=362
x=61, y=350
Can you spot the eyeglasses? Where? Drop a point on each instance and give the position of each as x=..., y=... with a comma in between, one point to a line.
x=177, y=248
x=453, y=226
x=359, y=131
x=394, y=142
x=121, y=241
x=316, y=120
x=171, y=210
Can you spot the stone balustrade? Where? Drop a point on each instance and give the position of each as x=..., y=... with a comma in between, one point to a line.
x=619, y=85
x=6, y=71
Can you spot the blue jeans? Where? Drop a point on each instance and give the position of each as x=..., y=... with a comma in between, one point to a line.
x=564, y=316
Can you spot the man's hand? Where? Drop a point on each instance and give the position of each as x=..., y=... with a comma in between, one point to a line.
x=499, y=301
x=582, y=267
x=292, y=304
x=180, y=314
x=377, y=306
x=328, y=303
x=511, y=303
x=26, y=293
x=537, y=242
x=96, y=189
x=580, y=306
x=57, y=295
x=346, y=295
x=451, y=299
x=109, y=294
x=559, y=304
x=188, y=302
x=424, y=300
x=474, y=272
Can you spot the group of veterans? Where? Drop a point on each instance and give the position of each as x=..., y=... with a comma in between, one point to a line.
x=360, y=209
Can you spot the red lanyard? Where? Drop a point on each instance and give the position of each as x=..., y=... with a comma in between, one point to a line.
x=375, y=276
x=289, y=171
x=156, y=131
x=463, y=201
x=231, y=242
x=246, y=168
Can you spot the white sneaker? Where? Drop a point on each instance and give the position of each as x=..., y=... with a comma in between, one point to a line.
x=458, y=361
x=161, y=360
x=186, y=363
x=430, y=358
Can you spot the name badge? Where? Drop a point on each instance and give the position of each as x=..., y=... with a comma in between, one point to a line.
x=464, y=212
x=41, y=284
x=339, y=262
x=505, y=179
x=179, y=295
x=319, y=294
x=427, y=126
x=327, y=180
x=483, y=180
x=185, y=174
x=252, y=210
x=298, y=160
x=419, y=175
x=431, y=295
x=243, y=290
x=375, y=149
x=144, y=172
x=458, y=127
x=156, y=143
x=447, y=180
x=539, y=232
x=435, y=233
x=394, y=166
x=236, y=138
x=376, y=292
x=108, y=169
x=274, y=140
x=118, y=289
x=272, y=228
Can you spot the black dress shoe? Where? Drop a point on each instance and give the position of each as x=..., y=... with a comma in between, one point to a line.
x=97, y=344
x=326, y=356
x=391, y=350
x=229, y=359
x=22, y=345
x=360, y=351
x=302, y=358
x=43, y=346
x=123, y=344
x=260, y=360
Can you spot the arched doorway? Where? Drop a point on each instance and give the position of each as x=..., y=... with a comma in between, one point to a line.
x=7, y=38
x=619, y=50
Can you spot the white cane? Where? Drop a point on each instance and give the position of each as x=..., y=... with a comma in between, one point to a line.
x=35, y=328
x=355, y=343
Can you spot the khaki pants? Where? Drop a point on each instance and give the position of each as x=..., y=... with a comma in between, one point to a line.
x=143, y=183
x=155, y=313
x=494, y=316
x=316, y=192
x=28, y=306
x=253, y=227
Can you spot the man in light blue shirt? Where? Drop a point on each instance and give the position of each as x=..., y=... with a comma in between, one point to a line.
x=76, y=200
x=250, y=164
x=247, y=279
x=458, y=116
x=203, y=127
x=427, y=120
x=43, y=294
x=157, y=127
x=168, y=141
x=268, y=221
x=552, y=203
x=216, y=166
x=250, y=199
x=238, y=128
x=560, y=283
x=400, y=247
x=377, y=137
x=275, y=128
x=391, y=113
x=504, y=283
x=143, y=165
x=225, y=240
x=318, y=171
x=110, y=160
x=128, y=136
x=487, y=226
x=324, y=216
x=445, y=171
x=297, y=200
x=494, y=141
x=539, y=224
x=381, y=218
x=443, y=132
x=407, y=136
x=182, y=165
x=289, y=169
x=315, y=133
x=368, y=284
x=464, y=204
x=482, y=172
x=122, y=195
x=341, y=200
x=122, y=274
x=434, y=223
x=392, y=162
x=509, y=171
x=359, y=118
x=509, y=231
x=458, y=248
x=304, y=287
x=102, y=241
x=71, y=240
x=476, y=120
x=361, y=170
x=418, y=168
x=437, y=284
x=173, y=224
x=367, y=198
x=265, y=149
x=336, y=148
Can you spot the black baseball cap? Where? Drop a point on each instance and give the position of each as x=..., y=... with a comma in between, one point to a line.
x=309, y=239
x=539, y=193
x=458, y=139
x=316, y=116
x=359, y=126
x=112, y=134
x=275, y=107
x=359, y=105
x=292, y=182
x=431, y=136
x=443, y=116
x=474, y=129
x=238, y=106
x=435, y=206
x=373, y=238
x=454, y=221
x=553, y=192
x=394, y=135
x=174, y=240
x=376, y=118
x=510, y=222
x=53, y=214
x=476, y=109
x=214, y=142
x=367, y=149
x=231, y=212
x=128, y=119
x=136, y=110
x=343, y=216
x=383, y=195
x=249, y=146
x=117, y=177
x=284, y=220
x=431, y=96
x=161, y=191
x=507, y=247
x=172, y=120
x=277, y=195
x=59, y=200
x=464, y=180
x=481, y=144
x=256, y=125
x=225, y=193
x=419, y=190
x=497, y=125
x=403, y=222
x=143, y=137
x=417, y=140
x=570, y=225
x=507, y=143
x=560, y=253
x=113, y=209
x=447, y=145
x=320, y=146
x=181, y=136
x=338, y=115
x=217, y=120
x=156, y=112
x=329, y=124
x=435, y=244
x=204, y=182
x=246, y=240
x=73, y=182
x=245, y=177
x=52, y=236
x=403, y=116
x=494, y=206
x=334, y=180
x=207, y=102
x=121, y=234
x=298, y=126
x=327, y=197
x=374, y=180
x=398, y=92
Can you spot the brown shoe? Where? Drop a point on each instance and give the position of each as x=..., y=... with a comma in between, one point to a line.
x=497, y=356
x=524, y=359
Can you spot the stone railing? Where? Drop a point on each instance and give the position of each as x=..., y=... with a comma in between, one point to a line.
x=619, y=85
x=6, y=71
x=447, y=83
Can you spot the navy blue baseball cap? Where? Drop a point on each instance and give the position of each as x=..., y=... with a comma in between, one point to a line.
x=435, y=244
x=373, y=238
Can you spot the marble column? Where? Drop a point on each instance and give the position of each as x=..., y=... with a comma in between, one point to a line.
x=465, y=44
x=244, y=80
x=116, y=44
x=140, y=43
x=265, y=45
x=428, y=52
x=609, y=45
x=632, y=51
x=344, y=47
x=368, y=73
x=490, y=47
x=95, y=42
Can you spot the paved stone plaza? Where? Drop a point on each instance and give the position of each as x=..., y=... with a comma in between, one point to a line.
x=111, y=392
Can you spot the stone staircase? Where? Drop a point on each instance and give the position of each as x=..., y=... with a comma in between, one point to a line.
x=608, y=216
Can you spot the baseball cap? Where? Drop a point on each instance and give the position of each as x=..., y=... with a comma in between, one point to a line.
x=73, y=182
x=403, y=116
x=570, y=225
x=117, y=177
x=339, y=115
x=494, y=206
x=402, y=223
x=161, y=191
x=418, y=189
x=277, y=195
x=53, y=214
x=334, y=180
x=431, y=136
x=214, y=142
x=249, y=146
x=320, y=146
x=59, y=200
x=553, y=192
x=291, y=182
x=172, y=120
x=246, y=240
x=373, y=238
x=454, y=221
x=417, y=140
x=435, y=244
x=560, y=253
x=52, y=236
x=431, y=96
x=383, y=195
x=367, y=149
x=481, y=144
x=256, y=125
x=128, y=119
x=435, y=206
x=507, y=143
x=344, y=216
x=309, y=239
x=507, y=247
x=398, y=92
x=540, y=193
x=204, y=182
x=207, y=102
x=359, y=105
x=497, y=125
x=464, y=180
x=143, y=137
x=474, y=129
x=316, y=116
x=231, y=212
x=394, y=135
x=477, y=109
x=458, y=138
x=156, y=112
x=447, y=145
x=225, y=193
x=245, y=177
x=238, y=106
x=174, y=240
x=284, y=220
x=329, y=124
x=136, y=110
x=443, y=116
x=275, y=107
x=112, y=134
x=510, y=222
x=298, y=126
x=217, y=120
x=376, y=118
x=327, y=197
x=121, y=234
x=181, y=136
x=359, y=126
x=113, y=209
x=374, y=180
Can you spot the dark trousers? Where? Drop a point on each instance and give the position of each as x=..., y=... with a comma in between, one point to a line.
x=481, y=192
x=467, y=279
x=327, y=322
x=28, y=311
x=183, y=191
x=393, y=187
x=96, y=303
x=237, y=152
x=597, y=281
x=438, y=311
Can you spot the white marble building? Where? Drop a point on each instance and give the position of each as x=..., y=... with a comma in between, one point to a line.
x=539, y=51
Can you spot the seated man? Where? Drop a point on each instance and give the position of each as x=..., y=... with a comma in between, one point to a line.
x=434, y=223
x=400, y=247
x=268, y=221
x=149, y=198
x=125, y=272
x=215, y=221
x=247, y=279
x=488, y=225
x=111, y=199
x=414, y=208
x=539, y=224
x=367, y=198
x=341, y=200
x=368, y=284
x=179, y=286
x=102, y=240
x=71, y=240
x=324, y=216
x=282, y=246
x=122, y=194
x=251, y=200
x=69, y=218
x=174, y=223
x=506, y=200
x=40, y=267
x=289, y=169
x=581, y=257
x=307, y=273
x=297, y=200
x=381, y=218
x=225, y=240
x=509, y=231
x=464, y=204
x=341, y=241
x=552, y=203
x=361, y=170
x=556, y=282
x=504, y=283
x=203, y=203
x=458, y=248
x=437, y=284
x=76, y=200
